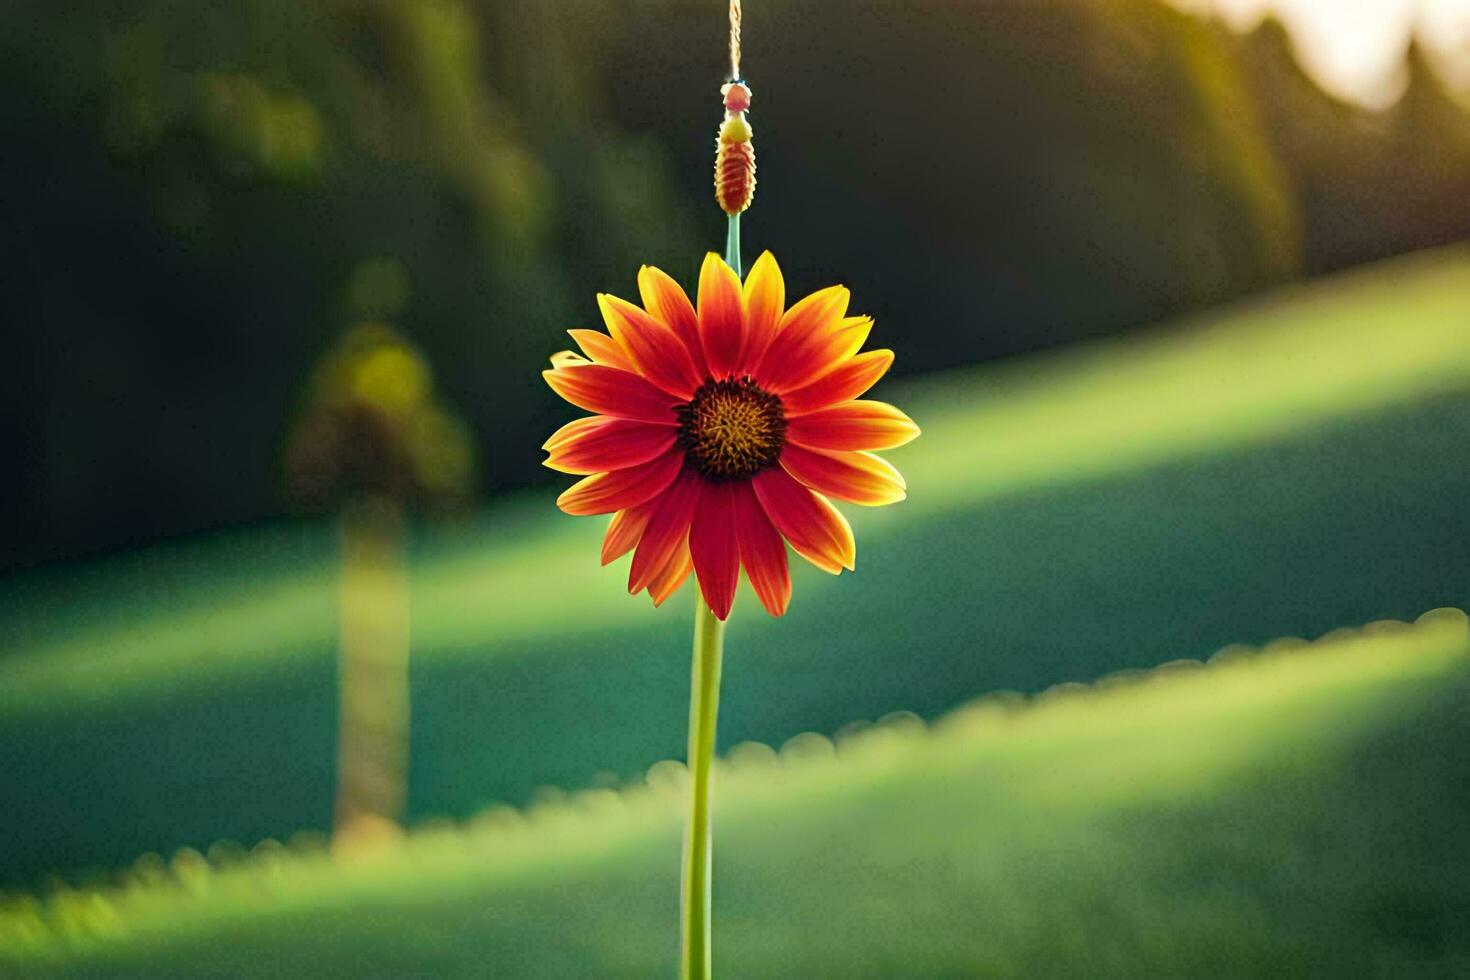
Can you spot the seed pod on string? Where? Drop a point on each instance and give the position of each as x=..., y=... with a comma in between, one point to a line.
x=735, y=152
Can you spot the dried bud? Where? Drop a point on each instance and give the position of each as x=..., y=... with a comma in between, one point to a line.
x=735, y=152
x=735, y=176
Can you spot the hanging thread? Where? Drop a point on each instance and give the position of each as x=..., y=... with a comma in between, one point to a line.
x=735, y=15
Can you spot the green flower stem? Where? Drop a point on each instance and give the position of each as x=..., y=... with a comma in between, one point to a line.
x=704, y=709
x=696, y=915
x=732, y=245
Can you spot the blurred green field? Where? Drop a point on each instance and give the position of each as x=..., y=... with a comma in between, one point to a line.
x=1278, y=469
x=1289, y=812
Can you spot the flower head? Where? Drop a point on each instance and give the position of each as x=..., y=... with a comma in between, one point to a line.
x=721, y=430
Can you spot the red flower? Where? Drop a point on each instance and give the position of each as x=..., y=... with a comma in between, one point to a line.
x=720, y=432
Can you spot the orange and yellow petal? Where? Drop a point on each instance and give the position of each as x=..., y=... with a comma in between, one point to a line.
x=602, y=349
x=765, y=300
x=821, y=309
x=603, y=493
x=860, y=478
x=721, y=318
x=852, y=425
x=815, y=528
x=664, y=299
x=612, y=391
x=655, y=351
x=666, y=530
x=715, y=548
x=625, y=530
x=818, y=315
x=847, y=381
x=674, y=574
x=845, y=345
x=823, y=351
x=572, y=430
x=612, y=444
x=762, y=550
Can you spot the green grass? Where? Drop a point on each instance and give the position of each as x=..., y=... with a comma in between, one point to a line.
x=1277, y=469
x=1296, y=811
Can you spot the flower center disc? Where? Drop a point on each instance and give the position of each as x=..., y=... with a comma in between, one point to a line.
x=731, y=430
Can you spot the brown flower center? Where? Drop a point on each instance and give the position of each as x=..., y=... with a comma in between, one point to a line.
x=731, y=430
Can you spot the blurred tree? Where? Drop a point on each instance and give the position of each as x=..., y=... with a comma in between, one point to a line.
x=372, y=442
x=1370, y=183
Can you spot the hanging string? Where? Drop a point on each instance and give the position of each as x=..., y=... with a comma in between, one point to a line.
x=735, y=15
